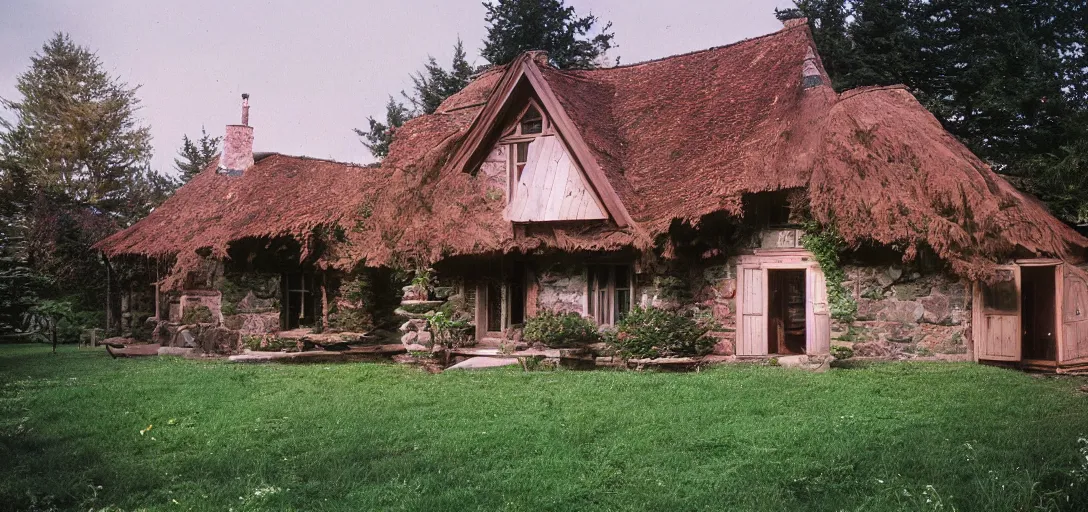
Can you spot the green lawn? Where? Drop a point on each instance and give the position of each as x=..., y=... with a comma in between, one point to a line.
x=380, y=436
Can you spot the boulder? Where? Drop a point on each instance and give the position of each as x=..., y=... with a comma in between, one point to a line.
x=425, y=338
x=882, y=349
x=900, y=311
x=937, y=309
x=723, y=348
x=413, y=325
x=409, y=338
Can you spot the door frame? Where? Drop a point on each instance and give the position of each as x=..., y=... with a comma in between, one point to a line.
x=977, y=312
x=785, y=259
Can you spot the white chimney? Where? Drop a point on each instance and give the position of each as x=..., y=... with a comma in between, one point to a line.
x=237, y=153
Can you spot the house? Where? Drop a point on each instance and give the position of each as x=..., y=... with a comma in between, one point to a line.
x=690, y=182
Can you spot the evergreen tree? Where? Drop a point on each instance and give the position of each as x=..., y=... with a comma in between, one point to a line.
x=828, y=21
x=74, y=166
x=434, y=84
x=517, y=26
x=1009, y=78
x=79, y=135
x=194, y=156
x=431, y=87
x=379, y=135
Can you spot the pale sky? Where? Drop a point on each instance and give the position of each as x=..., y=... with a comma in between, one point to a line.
x=315, y=69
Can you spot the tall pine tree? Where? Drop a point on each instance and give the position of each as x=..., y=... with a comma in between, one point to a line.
x=517, y=26
x=74, y=160
x=195, y=155
x=430, y=88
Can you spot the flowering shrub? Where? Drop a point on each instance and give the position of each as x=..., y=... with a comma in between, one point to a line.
x=558, y=330
x=652, y=332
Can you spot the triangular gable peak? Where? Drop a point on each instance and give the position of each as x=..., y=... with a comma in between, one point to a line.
x=551, y=175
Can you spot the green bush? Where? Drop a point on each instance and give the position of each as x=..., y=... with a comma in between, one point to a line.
x=558, y=330
x=199, y=314
x=652, y=332
x=842, y=352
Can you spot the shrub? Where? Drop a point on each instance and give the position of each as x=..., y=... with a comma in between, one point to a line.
x=842, y=352
x=448, y=332
x=199, y=314
x=558, y=330
x=652, y=332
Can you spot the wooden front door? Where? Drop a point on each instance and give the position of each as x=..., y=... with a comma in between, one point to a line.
x=1073, y=343
x=997, y=317
x=753, y=297
x=751, y=322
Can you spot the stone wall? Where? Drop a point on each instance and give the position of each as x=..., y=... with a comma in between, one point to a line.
x=906, y=311
x=561, y=287
x=250, y=302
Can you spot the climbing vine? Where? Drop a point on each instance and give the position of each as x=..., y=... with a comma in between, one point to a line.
x=825, y=243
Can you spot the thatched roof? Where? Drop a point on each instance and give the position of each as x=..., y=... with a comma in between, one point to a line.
x=675, y=139
x=686, y=136
x=279, y=195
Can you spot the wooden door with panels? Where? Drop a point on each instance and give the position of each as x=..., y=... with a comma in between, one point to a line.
x=997, y=316
x=1073, y=342
x=782, y=305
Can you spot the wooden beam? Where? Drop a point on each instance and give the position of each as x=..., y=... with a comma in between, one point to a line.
x=109, y=309
x=324, y=303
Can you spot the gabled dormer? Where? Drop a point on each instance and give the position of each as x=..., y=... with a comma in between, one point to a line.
x=550, y=173
x=545, y=184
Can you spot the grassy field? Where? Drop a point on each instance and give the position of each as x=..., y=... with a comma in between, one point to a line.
x=81, y=431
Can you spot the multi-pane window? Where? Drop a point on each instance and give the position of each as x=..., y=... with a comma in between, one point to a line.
x=609, y=294
x=521, y=156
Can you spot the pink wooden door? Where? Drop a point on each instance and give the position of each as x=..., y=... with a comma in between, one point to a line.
x=1074, y=339
x=818, y=314
x=997, y=317
x=752, y=324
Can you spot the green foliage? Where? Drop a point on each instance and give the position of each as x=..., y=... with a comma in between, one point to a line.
x=825, y=243
x=74, y=167
x=517, y=26
x=447, y=331
x=379, y=136
x=198, y=314
x=424, y=279
x=351, y=320
x=652, y=332
x=431, y=87
x=268, y=343
x=195, y=156
x=842, y=352
x=434, y=84
x=558, y=330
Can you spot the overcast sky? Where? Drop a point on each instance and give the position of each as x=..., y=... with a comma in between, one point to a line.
x=315, y=69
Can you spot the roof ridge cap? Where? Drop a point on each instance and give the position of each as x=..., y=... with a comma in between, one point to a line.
x=776, y=33
x=858, y=91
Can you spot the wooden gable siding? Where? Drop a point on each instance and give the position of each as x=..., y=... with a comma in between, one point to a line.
x=552, y=187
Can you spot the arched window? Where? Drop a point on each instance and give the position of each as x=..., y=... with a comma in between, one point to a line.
x=532, y=122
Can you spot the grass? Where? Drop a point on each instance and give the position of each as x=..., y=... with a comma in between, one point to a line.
x=74, y=435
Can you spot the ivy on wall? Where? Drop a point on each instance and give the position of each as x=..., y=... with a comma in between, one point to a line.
x=825, y=243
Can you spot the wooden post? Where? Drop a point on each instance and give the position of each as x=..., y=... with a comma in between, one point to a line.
x=324, y=303
x=109, y=310
x=158, y=301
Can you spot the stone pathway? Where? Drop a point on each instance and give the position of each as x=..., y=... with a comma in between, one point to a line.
x=476, y=363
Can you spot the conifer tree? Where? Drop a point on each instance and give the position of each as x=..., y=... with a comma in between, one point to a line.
x=517, y=26
x=195, y=155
